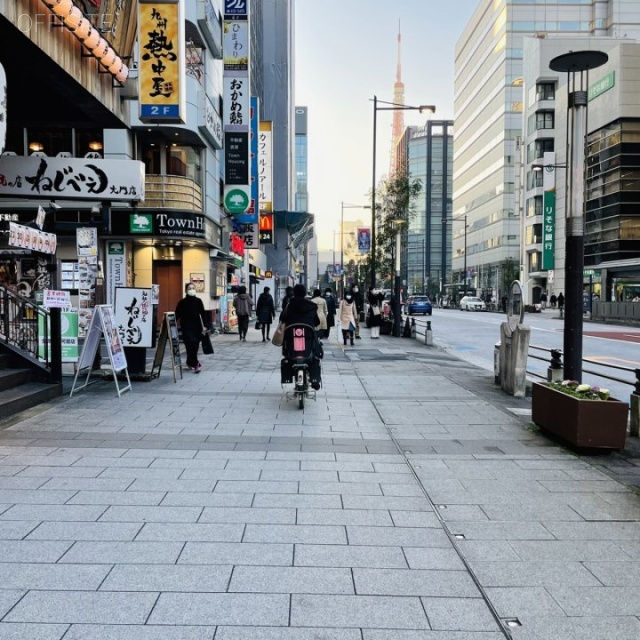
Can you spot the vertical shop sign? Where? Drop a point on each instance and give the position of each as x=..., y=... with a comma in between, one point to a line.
x=265, y=167
x=116, y=269
x=266, y=228
x=161, y=68
x=133, y=316
x=3, y=108
x=251, y=216
x=549, y=211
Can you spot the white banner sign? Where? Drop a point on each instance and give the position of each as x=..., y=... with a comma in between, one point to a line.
x=59, y=299
x=133, y=316
x=71, y=178
x=34, y=239
x=236, y=103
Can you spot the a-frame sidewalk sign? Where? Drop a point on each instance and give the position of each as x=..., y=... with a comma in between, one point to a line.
x=102, y=324
x=168, y=334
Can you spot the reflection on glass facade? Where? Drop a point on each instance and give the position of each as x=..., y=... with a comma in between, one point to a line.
x=430, y=159
x=301, y=160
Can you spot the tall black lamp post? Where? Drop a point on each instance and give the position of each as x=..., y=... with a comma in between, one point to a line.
x=576, y=65
x=393, y=107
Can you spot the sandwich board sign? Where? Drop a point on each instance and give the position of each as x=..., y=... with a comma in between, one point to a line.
x=103, y=324
x=168, y=334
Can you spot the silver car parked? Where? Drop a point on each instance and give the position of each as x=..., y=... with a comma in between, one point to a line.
x=472, y=303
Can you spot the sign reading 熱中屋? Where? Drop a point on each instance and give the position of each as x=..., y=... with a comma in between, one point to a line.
x=161, y=66
x=549, y=211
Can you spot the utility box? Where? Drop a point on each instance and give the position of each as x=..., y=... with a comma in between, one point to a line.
x=496, y=363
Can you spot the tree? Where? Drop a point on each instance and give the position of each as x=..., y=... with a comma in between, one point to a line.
x=396, y=198
x=510, y=272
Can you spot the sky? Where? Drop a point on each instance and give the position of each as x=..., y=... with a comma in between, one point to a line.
x=345, y=53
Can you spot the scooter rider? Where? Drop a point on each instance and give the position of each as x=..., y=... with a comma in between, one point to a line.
x=303, y=311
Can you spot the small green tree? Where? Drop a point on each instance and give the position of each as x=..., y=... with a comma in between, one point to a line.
x=510, y=272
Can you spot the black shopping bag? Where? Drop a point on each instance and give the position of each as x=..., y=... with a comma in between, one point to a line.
x=207, y=347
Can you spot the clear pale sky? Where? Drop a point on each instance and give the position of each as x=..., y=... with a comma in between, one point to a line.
x=346, y=52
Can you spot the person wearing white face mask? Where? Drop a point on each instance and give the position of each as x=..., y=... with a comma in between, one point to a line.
x=348, y=317
x=194, y=322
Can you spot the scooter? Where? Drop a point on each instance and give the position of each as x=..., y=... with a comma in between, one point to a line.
x=300, y=365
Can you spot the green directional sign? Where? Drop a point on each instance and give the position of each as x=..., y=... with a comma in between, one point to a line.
x=236, y=201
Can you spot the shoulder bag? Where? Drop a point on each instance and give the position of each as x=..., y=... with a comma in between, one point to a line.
x=278, y=335
x=207, y=347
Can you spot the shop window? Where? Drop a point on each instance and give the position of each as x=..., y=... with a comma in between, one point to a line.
x=89, y=143
x=50, y=142
x=183, y=160
x=151, y=156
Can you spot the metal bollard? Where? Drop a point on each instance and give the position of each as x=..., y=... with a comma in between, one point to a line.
x=428, y=335
x=413, y=327
x=406, y=332
x=555, y=370
x=496, y=363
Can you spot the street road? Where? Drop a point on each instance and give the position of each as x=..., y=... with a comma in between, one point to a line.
x=472, y=336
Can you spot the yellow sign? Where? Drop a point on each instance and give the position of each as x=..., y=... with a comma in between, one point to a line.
x=162, y=60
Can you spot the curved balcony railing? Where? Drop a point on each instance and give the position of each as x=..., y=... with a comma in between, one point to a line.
x=171, y=192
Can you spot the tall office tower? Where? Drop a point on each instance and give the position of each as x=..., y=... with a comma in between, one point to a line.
x=488, y=107
x=398, y=116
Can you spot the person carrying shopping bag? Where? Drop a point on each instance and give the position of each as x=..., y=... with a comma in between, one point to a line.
x=348, y=317
x=375, y=298
x=243, y=303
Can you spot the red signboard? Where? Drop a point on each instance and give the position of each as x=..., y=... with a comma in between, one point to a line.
x=237, y=245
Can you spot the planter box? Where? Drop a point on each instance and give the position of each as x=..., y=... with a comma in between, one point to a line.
x=584, y=424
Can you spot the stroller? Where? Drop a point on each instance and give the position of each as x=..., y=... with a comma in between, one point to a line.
x=300, y=364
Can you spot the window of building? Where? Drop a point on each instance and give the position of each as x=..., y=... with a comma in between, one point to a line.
x=537, y=148
x=51, y=142
x=89, y=141
x=545, y=120
x=534, y=206
x=545, y=91
x=533, y=234
x=534, y=179
x=535, y=261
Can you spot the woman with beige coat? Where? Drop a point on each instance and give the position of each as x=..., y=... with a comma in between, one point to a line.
x=348, y=317
x=322, y=311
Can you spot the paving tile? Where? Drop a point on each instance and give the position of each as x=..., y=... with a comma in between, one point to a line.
x=167, y=577
x=291, y=580
x=18, y=496
x=29, y=576
x=595, y=601
x=200, y=499
x=191, y=532
x=374, y=634
x=298, y=501
x=83, y=606
x=503, y=530
x=8, y=598
x=123, y=552
x=236, y=609
x=460, y=614
x=118, y=498
x=562, y=550
x=158, y=484
x=244, y=553
x=151, y=514
x=248, y=515
x=348, y=556
x=85, y=531
x=21, y=482
x=344, y=516
x=281, y=633
x=138, y=632
x=604, y=531
x=22, y=631
x=229, y=486
x=86, y=484
x=388, y=503
x=32, y=550
x=397, y=537
x=341, y=488
x=416, y=582
x=53, y=513
x=533, y=574
x=307, y=534
x=414, y=519
x=435, y=558
x=600, y=627
x=357, y=611
x=518, y=602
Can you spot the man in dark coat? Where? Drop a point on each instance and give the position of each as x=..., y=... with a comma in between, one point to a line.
x=359, y=300
x=331, y=310
x=266, y=311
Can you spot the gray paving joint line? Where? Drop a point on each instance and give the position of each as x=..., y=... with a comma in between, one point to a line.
x=452, y=540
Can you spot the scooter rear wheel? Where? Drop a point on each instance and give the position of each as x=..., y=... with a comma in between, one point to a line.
x=301, y=400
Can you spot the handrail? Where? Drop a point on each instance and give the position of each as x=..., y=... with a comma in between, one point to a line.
x=24, y=326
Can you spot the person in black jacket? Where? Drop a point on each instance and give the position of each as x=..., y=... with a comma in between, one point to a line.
x=266, y=311
x=331, y=310
x=359, y=300
x=194, y=322
x=375, y=299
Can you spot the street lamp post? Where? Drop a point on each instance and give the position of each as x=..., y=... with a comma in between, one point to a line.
x=576, y=65
x=397, y=307
x=463, y=217
x=393, y=107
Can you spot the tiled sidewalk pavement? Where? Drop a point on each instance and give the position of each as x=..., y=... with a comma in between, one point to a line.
x=405, y=504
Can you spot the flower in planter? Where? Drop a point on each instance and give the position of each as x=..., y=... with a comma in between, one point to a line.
x=583, y=391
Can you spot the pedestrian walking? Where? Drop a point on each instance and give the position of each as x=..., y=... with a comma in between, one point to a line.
x=543, y=300
x=194, y=322
x=322, y=312
x=331, y=310
x=359, y=300
x=561, y=303
x=243, y=303
x=375, y=298
x=553, y=300
x=266, y=312
x=348, y=317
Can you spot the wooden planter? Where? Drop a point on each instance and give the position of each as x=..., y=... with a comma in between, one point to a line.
x=584, y=424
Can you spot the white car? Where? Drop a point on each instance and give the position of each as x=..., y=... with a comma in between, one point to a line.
x=472, y=303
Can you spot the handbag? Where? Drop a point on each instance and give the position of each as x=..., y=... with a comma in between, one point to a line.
x=258, y=325
x=278, y=335
x=207, y=347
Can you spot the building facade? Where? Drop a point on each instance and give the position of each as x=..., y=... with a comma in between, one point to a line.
x=488, y=111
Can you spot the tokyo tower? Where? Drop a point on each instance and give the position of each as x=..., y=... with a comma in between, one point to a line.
x=398, y=116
